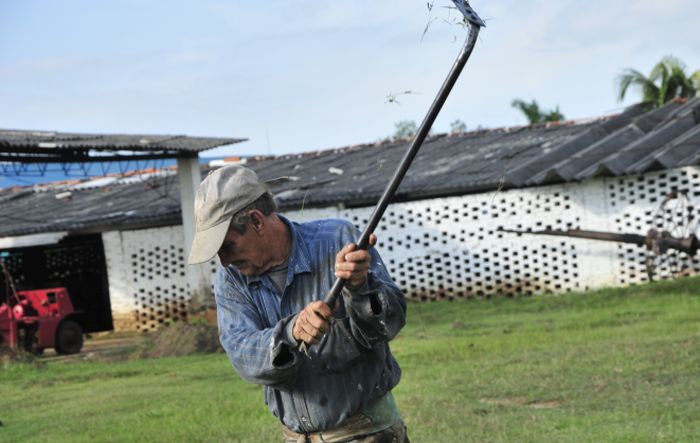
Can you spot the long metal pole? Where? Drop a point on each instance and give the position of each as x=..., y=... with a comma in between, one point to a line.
x=636, y=239
x=422, y=133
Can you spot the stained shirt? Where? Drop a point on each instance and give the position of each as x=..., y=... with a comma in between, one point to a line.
x=351, y=365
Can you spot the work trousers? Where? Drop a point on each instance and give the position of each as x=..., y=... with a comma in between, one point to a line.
x=396, y=433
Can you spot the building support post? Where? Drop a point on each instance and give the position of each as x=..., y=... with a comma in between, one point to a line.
x=198, y=278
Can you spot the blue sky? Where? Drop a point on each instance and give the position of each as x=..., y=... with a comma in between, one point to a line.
x=303, y=75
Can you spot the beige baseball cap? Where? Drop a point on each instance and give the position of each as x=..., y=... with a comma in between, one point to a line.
x=223, y=193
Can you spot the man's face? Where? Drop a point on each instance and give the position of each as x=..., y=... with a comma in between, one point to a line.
x=243, y=251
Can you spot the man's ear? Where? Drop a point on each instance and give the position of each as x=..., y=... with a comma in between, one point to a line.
x=257, y=221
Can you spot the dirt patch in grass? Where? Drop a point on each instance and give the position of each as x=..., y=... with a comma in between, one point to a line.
x=552, y=404
x=521, y=401
x=9, y=356
x=180, y=339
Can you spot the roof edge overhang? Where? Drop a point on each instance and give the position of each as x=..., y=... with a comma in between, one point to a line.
x=25, y=241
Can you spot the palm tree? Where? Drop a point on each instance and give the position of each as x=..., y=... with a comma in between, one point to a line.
x=695, y=78
x=534, y=114
x=666, y=81
x=554, y=115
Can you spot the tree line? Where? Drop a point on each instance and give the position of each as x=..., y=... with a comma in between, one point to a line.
x=667, y=80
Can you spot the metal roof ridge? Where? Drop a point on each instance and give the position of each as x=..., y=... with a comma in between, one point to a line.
x=692, y=159
x=686, y=107
x=547, y=177
x=667, y=156
x=645, y=146
x=562, y=168
x=645, y=165
x=595, y=170
x=656, y=116
x=523, y=175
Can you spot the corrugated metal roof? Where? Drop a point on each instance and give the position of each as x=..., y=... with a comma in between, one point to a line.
x=46, y=141
x=26, y=211
x=629, y=143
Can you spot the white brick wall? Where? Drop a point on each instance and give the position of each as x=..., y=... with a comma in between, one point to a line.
x=146, y=271
x=448, y=247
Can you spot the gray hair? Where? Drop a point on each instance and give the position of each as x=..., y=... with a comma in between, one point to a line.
x=265, y=204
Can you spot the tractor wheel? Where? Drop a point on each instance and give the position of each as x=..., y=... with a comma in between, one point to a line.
x=69, y=338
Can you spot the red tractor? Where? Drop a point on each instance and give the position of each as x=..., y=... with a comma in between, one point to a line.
x=38, y=319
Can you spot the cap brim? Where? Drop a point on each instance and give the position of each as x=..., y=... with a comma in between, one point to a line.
x=208, y=242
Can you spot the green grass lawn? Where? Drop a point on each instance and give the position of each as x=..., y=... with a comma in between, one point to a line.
x=609, y=366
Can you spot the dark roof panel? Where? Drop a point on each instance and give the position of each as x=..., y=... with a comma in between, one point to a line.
x=676, y=125
x=685, y=146
x=568, y=168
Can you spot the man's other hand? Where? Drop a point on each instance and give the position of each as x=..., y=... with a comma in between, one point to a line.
x=352, y=264
x=312, y=323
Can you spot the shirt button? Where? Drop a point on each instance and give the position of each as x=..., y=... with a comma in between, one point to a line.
x=304, y=419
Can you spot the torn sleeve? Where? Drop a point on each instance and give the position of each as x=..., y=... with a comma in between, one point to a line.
x=377, y=311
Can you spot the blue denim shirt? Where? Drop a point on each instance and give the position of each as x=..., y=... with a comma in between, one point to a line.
x=351, y=365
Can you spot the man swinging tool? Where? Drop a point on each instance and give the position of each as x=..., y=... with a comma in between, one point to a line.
x=324, y=360
x=274, y=273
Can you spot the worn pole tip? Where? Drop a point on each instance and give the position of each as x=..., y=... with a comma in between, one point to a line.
x=469, y=14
